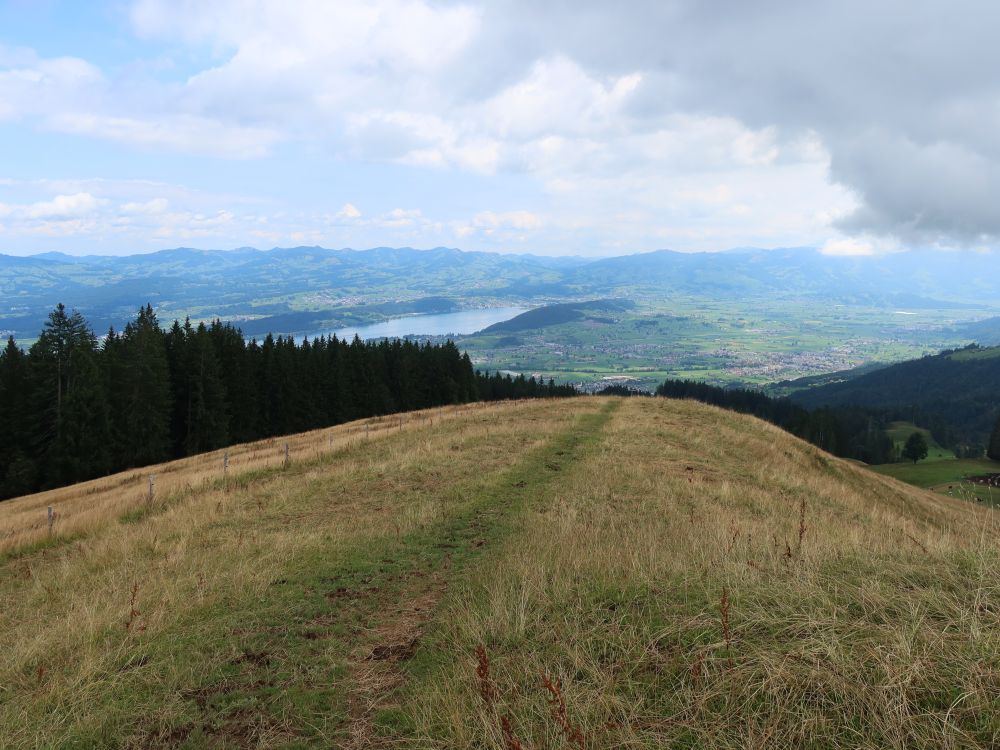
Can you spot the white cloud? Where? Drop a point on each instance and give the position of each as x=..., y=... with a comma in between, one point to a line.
x=404, y=35
x=401, y=217
x=557, y=96
x=59, y=207
x=154, y=206
x=191, y=134
x=513, y=219
x=63, y=206
x=101, y=215
x=859, y=246
x=500, y=226
x=349, y=211
x=30, y=85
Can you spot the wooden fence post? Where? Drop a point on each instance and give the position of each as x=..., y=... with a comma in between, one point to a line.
x=152, y=488
x=286, y=454
x=52, y=518
x=225, y=465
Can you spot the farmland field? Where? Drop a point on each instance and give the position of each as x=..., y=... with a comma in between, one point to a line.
x=720, y=342
x=947, y=475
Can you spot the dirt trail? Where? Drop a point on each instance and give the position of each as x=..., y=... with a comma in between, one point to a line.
x=377, y=670
x=378, y=665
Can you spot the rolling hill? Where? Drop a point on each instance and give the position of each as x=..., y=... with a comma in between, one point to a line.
x=985, y=332
x=553, y=315
x=586, y=572
x=955, y=389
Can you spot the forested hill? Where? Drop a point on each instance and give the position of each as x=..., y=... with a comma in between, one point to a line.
x=845, y=431
x=73, y=408
x=553, y=315
x=956, y=394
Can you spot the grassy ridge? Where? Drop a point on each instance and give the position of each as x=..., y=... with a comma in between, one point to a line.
x=681, y=576
x=240, y=616
x=854, y=608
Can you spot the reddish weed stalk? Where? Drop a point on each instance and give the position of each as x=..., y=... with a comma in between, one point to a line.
x=486, y=689
x=133, y=613
x=727, y=633
x=802, y=524
x=697, y=669
x=510, y=740
x=732, y=542
x=557, y=704
x=917, y=542
x=488, y=692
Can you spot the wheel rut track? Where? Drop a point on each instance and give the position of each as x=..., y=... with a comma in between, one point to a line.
x=378, y=666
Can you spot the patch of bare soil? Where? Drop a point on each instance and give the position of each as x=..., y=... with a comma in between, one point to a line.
x=376, y=666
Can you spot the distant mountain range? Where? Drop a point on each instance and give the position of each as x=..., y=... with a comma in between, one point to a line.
x=249, y=283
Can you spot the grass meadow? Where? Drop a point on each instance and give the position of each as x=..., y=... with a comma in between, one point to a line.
x=586, y=573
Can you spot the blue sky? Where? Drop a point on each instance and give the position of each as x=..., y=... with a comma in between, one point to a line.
x=559, y=128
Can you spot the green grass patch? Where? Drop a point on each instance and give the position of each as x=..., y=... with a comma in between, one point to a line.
x=948, y=476
x=900, y=432
x=934, y=473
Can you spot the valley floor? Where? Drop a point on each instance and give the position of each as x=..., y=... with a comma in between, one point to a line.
x=585, y=573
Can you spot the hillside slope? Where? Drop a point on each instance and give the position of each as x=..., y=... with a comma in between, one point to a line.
x=956, y=388
x=584, y=573
x=553, y=315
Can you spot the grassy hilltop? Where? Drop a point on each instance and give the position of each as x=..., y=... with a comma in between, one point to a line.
x=582, y=573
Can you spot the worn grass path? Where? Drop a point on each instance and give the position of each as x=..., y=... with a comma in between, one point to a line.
x=284, y=615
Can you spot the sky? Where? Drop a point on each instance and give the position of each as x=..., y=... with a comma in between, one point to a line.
x=569, y=127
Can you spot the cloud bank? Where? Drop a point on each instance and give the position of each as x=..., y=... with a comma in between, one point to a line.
x=689, y=124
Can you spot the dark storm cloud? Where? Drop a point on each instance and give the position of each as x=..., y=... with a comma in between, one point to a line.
x=905, y=96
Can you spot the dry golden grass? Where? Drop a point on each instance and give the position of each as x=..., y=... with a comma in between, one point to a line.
x=863, y=612
x=81, y=667
x=682, y=576
x=84, y=507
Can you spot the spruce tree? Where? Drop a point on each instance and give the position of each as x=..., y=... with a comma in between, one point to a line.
x=142, y=389
x=207, y=419
x=70, y=434
x=176, y=341
x=13, y=418
x=236, y=369
x=993, y=450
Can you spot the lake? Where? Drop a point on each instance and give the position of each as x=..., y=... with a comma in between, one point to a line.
x=459, y=323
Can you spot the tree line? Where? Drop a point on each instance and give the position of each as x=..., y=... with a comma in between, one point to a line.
x=847, y=432
x=74, y=407
x=953, y=394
